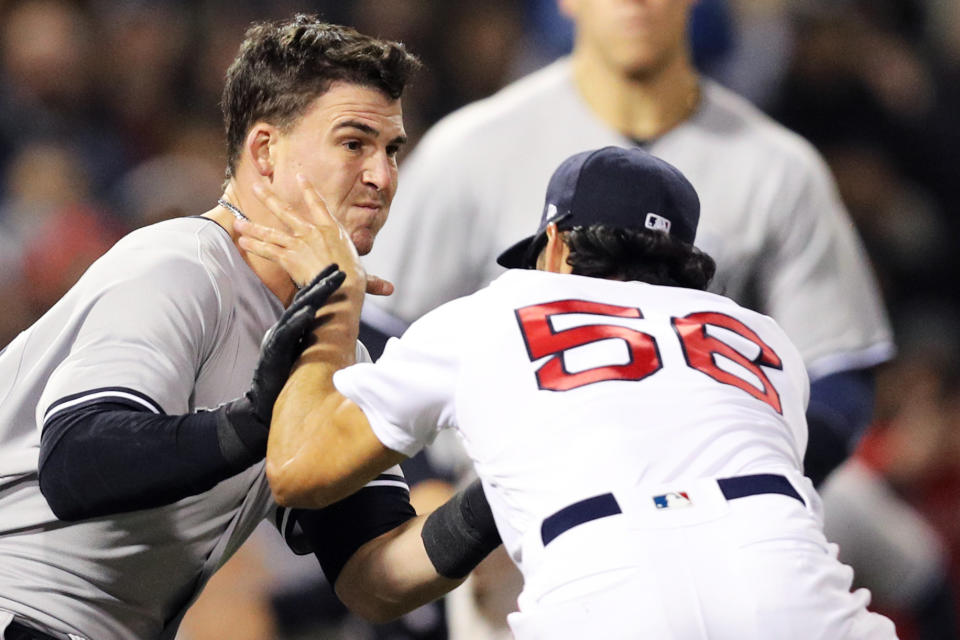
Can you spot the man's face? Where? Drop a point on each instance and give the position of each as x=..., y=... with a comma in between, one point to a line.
x=636, y=37
x=346, y=144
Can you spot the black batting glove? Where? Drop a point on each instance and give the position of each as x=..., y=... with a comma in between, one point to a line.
x=244, y=424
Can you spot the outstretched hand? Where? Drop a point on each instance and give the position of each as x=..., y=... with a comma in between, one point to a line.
x=309, y=245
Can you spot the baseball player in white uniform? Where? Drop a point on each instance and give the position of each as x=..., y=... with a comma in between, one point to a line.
x=772, y=218
x=771, y=215
x=640, y=439
x=131, y=438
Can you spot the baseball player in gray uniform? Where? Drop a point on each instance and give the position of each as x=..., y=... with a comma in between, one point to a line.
x=131, y=437
x=640, y=439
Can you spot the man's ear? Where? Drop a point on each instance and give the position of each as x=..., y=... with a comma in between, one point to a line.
x=554, y=254
x=259, y=146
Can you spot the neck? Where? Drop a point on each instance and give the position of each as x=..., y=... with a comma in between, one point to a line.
x=640, y=106
x=271, y=274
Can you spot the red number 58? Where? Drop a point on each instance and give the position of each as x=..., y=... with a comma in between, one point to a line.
x=700, y=349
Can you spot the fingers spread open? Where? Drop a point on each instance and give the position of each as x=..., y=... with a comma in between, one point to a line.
x=263, y=249
x=277, y=207
x=264, y=234
x=316, y=203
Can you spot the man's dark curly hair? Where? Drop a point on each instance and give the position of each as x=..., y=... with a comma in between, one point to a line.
x=637, y=254
x=283, y=66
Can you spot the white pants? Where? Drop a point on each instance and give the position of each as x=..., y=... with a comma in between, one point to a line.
x=753, y=568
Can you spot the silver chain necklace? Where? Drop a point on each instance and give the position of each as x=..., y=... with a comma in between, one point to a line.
x=232, y=209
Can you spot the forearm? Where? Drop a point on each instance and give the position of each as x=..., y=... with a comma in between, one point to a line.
x=337, y=455
x=421, y=559
x=311, y=419
x=392, y=575
x=108, y=458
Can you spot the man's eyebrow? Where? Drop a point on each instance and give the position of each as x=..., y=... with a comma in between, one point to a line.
x=370, y=131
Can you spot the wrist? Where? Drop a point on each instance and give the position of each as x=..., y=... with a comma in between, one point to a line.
x=241, y=434
x=460, y=533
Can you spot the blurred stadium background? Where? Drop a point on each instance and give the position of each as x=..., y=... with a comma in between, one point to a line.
x=109, y=120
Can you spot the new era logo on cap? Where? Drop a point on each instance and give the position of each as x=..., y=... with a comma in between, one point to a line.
x=551, y=214
x=614, y=187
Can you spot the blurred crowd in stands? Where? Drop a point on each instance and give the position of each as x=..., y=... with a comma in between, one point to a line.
x=110, y=120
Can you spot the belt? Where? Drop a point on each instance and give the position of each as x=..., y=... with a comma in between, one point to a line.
x=17, y=631
x=605, y=504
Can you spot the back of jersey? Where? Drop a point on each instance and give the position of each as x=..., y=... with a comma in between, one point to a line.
x=563, y=387
x=578, y=386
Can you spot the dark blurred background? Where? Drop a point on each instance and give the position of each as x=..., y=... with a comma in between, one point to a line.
x=109, y=120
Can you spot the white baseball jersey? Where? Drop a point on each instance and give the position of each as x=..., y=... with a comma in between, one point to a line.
x=171, y=318
x=563, y=387
x=771, y=216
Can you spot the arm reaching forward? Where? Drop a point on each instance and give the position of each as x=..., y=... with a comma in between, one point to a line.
x=322, y=449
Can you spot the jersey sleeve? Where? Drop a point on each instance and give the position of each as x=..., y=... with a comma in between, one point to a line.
x=408, y=396
x=335, y=533
x=436, y=206
x=817, y=281
x=148, y=325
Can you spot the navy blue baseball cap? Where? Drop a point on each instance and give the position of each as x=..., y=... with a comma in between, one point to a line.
x=617, y=187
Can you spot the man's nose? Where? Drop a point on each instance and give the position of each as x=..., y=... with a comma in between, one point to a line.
x=378, y=171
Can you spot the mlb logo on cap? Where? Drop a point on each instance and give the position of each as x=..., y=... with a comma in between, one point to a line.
x=657, y=223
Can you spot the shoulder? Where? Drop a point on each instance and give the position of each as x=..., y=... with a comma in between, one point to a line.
x=181, y=240
x=179, y=255
x=751, y=134
x=763, y=325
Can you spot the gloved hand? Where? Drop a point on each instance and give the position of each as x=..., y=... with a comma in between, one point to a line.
x=243, y=424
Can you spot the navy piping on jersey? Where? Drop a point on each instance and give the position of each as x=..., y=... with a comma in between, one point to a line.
x=388, y=480
x=119, y=395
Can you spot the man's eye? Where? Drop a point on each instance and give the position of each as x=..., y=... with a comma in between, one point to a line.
x=393, y=150
x=353, y=145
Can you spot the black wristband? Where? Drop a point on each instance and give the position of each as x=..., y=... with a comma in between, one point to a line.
x=241, y=435
x=460, y=533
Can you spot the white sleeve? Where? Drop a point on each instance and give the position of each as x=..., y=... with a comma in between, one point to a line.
x=146, y=332
x=817, y=281
x=436, y=223
x=408, y=396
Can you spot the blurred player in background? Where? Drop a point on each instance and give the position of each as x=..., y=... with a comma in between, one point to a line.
x=641, y=440
x=132, y=439
x=772, y=218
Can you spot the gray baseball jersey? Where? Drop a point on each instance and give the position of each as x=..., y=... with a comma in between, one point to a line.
x=171, y=318
x=771, y=215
